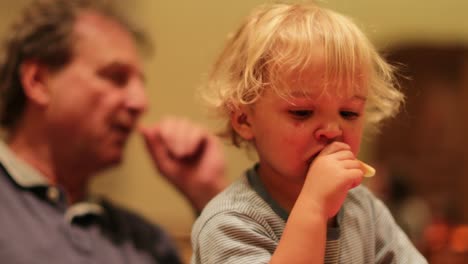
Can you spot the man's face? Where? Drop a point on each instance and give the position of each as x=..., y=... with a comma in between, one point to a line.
x=96, y=100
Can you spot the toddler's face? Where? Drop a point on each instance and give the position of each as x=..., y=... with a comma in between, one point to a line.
x=289, y=134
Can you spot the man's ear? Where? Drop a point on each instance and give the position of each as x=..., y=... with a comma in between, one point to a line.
x=33, y=76
x=241, y=124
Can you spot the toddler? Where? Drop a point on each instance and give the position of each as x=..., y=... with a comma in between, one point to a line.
x=299, y=83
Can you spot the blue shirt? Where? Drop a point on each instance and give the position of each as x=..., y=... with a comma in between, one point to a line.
x=37, y=226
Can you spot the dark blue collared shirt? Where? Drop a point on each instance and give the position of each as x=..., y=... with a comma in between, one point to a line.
x=37, y=226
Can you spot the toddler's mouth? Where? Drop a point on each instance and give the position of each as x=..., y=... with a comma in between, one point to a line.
x=311, y=159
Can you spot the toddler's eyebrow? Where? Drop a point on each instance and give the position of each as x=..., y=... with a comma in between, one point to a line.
x=302, y=94
x=360, y=97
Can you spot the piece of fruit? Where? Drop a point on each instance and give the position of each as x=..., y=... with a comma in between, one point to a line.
x=367, y=169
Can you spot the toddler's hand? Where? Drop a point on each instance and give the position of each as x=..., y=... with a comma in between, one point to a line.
x=331, y=175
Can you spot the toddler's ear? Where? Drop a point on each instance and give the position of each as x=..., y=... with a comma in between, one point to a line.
x=240, y=123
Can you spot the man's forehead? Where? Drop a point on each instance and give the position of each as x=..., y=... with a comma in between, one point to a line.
x=104, y=40
x=94, y=23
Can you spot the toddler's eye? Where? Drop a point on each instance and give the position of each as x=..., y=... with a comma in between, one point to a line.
x=349, y=115
x=301, y=114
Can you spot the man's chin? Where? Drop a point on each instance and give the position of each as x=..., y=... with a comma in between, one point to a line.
x=109, y=161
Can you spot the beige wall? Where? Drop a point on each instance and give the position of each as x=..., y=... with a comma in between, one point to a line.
x=189, y=34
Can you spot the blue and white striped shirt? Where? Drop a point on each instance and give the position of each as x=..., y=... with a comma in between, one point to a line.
x=243, y=224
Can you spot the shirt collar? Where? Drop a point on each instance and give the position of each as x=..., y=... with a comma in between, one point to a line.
x=28, y=177
x=83, y=208
x=22, y=173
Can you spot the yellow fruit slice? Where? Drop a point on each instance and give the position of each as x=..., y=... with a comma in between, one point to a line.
x=367, y=169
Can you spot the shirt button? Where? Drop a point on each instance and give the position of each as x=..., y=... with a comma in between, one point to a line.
x=53, y=194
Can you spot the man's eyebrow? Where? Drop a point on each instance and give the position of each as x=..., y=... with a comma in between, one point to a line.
x=127, y=67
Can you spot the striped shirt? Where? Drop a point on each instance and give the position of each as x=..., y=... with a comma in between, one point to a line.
x=243, y=224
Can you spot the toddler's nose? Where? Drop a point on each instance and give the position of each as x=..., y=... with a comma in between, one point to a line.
x=329, y=133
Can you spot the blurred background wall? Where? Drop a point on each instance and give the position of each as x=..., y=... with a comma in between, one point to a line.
x=189, y=34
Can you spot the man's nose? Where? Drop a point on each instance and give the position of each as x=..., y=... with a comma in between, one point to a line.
x=136, y=101
x=329, y=132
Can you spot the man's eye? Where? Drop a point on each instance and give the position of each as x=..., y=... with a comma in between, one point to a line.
x=301, y=114
x=349, y=115
x=118, y=77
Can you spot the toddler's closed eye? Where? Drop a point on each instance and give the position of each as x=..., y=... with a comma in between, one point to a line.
x=301, y=114
x=350, y=115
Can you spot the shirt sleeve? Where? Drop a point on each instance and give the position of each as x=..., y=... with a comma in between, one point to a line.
x=121, y=226
x=392, y=244
x=232, y=238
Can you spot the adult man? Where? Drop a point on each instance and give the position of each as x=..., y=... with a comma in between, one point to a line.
x=72, y=90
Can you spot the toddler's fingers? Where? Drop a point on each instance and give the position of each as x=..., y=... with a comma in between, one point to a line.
x=334, y=147
x=356, y=177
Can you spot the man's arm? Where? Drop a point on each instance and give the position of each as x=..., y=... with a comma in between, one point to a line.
x=189, y=157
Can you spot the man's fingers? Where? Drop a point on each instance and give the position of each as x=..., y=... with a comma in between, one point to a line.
x=182, y=138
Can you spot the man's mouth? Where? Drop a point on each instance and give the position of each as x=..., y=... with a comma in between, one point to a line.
x=122, y=129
